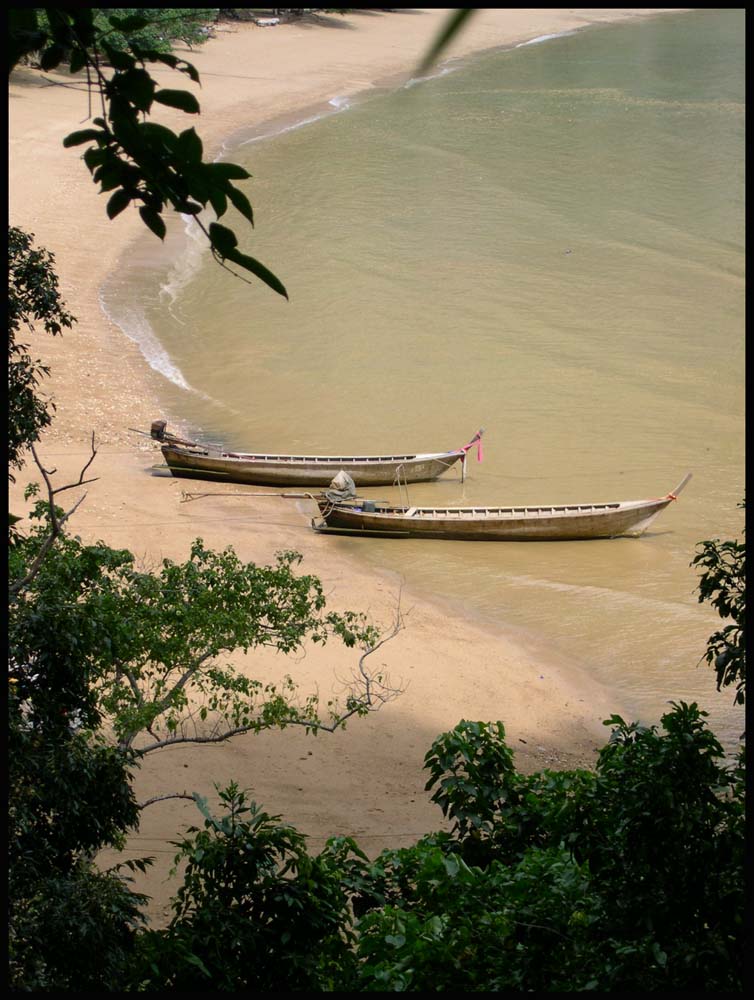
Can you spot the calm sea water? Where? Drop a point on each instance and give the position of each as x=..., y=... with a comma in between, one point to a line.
x=547, y=242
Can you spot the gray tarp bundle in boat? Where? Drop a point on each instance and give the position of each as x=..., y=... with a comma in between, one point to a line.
x=341, y=488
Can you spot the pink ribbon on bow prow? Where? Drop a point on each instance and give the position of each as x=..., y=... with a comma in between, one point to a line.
x=477, y=439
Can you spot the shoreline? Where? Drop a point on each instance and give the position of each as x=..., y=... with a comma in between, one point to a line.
x=368, y=780
x=304, y=114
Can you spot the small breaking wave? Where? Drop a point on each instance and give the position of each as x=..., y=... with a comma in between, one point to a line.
x=443, y=71
x=137, y=328
x=134, y=323
x=545, y=38
x=338, y=104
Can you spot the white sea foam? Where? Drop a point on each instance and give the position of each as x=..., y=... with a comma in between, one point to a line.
x=185, y=266
x=545, y=38
x=443, y=71
x=137, y=328
x=338, y=104
x=135, y=324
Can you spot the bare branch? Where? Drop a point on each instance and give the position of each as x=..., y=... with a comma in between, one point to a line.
x=371, y=702
x=183, y=681
x=398, y=625
x=81, y=480
x=56, y=522
x=174, y=740
x=161, y=798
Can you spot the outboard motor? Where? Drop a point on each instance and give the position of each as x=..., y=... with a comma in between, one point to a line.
x=157, y=430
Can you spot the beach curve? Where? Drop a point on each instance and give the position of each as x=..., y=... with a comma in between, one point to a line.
x=368, y=781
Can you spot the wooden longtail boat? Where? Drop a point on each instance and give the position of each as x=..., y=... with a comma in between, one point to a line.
x=562, y=522
x=187, y=459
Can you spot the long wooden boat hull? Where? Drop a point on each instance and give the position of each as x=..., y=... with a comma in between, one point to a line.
x=571, y=522
x=306, y=470
x=190, y=460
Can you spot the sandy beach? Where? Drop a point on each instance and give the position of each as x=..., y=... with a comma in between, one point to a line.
x=366, y=781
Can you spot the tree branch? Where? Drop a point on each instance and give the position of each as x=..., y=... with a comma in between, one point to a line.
x=56, y=521
x=367, y=693
x=161, y=798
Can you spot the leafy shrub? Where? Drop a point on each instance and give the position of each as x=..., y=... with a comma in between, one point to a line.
x=254, y=911
x=628, y=878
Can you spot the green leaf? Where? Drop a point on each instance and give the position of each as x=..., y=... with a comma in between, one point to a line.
x=187, y=207
x=164, y=57
x=95, y=156
x=137, y=86
x=189, y=69
x=120, y=200
x=158, y=135
x=154, y=220
x=448, y=32
x=224, y=240
x=52, y=56
x=180, y=99
x=241, y=202
x=201, y=803
x=195, y=182
x=660, y=957
x=117, y=58
x=229, y=171
x=152, y=55
x=85, y=135
x=261, y=272
x=133, y=22
x=193, y=959
x=24, y=36
x=78, y=60
x=109, y=176
x=13, y=518
x=218, y=201
x=112, y=174
x=189, y=146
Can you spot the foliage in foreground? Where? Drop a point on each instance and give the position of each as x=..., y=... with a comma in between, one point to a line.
x=33, y=297
x=723, y=585
x=628, y=877
x=625, y=878
x=95, y=642
x=103, y=638
x=71, y=926
x=161, y=28
x=137, y=161
x=254, y=910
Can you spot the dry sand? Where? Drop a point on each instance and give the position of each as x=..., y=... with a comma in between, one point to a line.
x=368, y=780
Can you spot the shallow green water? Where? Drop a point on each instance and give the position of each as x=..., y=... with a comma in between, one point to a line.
x=547, y=242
